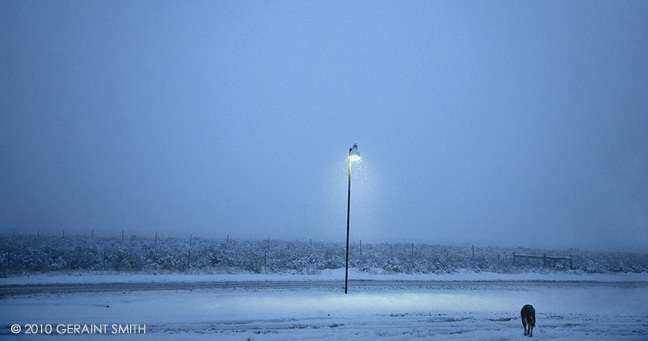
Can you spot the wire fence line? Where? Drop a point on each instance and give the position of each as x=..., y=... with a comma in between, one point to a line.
x=20, y=254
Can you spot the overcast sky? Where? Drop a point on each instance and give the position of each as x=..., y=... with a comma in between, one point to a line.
x=504, y=123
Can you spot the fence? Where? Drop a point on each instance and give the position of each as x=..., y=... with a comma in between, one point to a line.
x=65, y=251
x=544, y=258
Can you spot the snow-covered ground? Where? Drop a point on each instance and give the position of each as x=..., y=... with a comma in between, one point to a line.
x=470, y=306
x=325, y=275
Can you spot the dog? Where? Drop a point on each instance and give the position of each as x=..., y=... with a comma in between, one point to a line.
x=528, y=319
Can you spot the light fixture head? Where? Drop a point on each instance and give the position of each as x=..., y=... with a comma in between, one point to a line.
x=354, y=154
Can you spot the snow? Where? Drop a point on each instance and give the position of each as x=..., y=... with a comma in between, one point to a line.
x=464, y=306
x=22, y=255
x=327, y=275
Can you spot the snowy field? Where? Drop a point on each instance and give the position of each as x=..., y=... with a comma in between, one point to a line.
x=279, y=307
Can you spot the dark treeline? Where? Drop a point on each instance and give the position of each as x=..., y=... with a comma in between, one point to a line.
x=21, y=255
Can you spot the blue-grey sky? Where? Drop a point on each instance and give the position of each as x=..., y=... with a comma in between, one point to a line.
x=516, y=123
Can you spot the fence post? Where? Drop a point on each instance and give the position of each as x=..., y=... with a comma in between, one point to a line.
x=360, y=248
x=265, y=256
x=544, y=260
x=473, y=253
x=189, y=254
x=571, y=267
x=513, y=258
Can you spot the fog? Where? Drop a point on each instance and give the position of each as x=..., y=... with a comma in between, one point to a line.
x=489, y=123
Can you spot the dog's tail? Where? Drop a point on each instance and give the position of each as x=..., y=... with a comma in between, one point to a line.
x=532, y=320
x=532, y=316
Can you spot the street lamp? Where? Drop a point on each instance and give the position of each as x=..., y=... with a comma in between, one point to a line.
x=354, y=155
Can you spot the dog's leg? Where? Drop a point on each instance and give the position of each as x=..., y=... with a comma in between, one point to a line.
x=531, y=322
x=524, y=323
x=530, y=331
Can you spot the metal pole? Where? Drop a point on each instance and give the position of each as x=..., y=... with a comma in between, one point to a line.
x=346, y=274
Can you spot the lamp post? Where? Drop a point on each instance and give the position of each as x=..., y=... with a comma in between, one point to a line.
x=354, y=155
